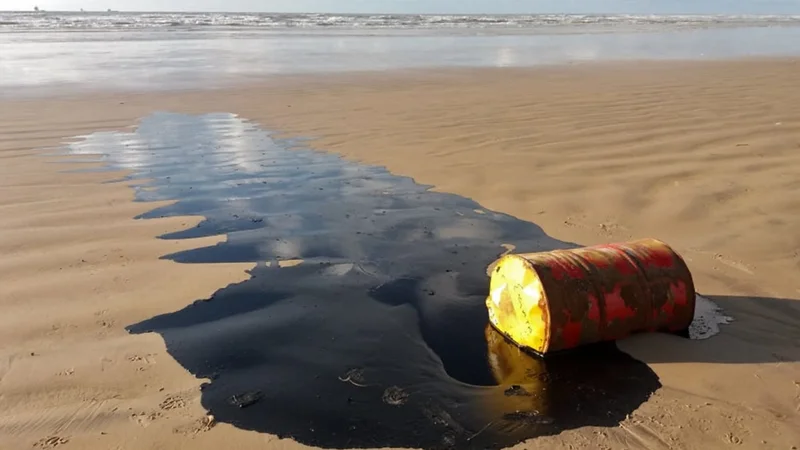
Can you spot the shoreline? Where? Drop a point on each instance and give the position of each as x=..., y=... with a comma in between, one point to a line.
x=590, y=155
x=176, y=60
x=382, y=77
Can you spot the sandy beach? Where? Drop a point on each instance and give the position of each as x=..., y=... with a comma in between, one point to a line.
x=702, y=155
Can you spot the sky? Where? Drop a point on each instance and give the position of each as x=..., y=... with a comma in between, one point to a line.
x=424, y=6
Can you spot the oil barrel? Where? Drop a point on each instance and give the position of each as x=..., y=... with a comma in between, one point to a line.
x=558, y=300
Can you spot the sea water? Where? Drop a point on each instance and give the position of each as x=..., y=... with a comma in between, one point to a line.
x=46, y=52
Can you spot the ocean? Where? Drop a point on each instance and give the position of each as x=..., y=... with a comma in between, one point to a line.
x=45, y=51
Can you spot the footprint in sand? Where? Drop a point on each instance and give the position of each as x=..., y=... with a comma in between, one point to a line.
x=105, y=323
x=172, y=402
x=144, y=362
x=147, y=359
x=196, y=427
x=50, y=442
x=145, y=419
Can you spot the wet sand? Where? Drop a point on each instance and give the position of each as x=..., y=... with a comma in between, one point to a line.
x=700, y=155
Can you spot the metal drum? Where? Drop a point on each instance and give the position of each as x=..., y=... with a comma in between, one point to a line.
x=558, y=300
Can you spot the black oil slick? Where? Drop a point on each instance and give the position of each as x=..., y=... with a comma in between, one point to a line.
x=376, y=334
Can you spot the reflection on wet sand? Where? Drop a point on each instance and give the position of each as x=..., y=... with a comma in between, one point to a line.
x=552, y=393
x=376, y=332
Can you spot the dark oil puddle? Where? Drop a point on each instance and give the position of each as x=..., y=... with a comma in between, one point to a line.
x=379, y=337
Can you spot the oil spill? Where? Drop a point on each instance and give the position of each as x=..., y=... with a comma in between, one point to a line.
x=379, y=337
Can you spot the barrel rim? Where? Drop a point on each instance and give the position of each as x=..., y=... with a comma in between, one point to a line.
x=543, y=305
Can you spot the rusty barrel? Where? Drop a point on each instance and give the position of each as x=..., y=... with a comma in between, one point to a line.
x=558, y=300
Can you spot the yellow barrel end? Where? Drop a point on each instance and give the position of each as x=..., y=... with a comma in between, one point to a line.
x=517, y=304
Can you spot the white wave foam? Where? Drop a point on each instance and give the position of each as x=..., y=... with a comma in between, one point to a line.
x=11, y=21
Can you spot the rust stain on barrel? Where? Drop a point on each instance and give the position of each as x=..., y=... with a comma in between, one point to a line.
x=561, y=299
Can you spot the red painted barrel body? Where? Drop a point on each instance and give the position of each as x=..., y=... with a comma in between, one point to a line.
x=559, y=300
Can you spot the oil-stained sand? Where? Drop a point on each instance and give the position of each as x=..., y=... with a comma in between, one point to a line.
x=378, y=337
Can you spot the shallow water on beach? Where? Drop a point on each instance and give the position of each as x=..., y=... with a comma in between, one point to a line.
x=36, y=62
x=363, y=322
